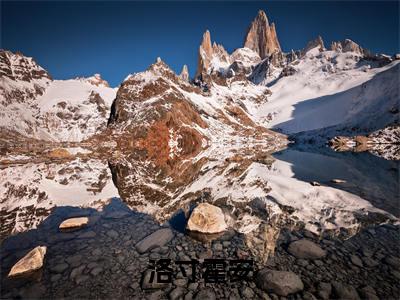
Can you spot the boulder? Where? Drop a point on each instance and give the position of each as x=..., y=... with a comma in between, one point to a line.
x=207, y=218
x=281, y=283
x=30, y=262
x=157, y=239
x=306, y=249
x=74, y=223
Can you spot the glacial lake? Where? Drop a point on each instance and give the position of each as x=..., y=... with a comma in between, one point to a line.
x=128, y=197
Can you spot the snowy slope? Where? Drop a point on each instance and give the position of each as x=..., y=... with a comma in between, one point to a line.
x=34, y=105
x=331, y=88
x=73, y=110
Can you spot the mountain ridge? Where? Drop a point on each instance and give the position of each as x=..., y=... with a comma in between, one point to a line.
x=244, y=91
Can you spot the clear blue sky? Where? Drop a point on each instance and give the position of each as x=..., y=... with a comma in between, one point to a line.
x=72, y=39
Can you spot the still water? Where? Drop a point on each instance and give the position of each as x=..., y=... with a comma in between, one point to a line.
x=128, y=196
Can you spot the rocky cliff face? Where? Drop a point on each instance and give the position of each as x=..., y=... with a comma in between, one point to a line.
x=169, y=118
x=261, y=37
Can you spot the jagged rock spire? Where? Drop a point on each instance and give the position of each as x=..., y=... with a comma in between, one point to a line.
x=206, y=43
x=205, y=53
x=261, y=37
x=208, y=51
x=184, y=73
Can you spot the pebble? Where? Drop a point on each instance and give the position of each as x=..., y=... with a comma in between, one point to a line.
x=176, y=293
x=356, y=261
x=112, y=234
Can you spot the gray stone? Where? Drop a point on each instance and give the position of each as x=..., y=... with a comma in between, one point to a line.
x=309, y=296
x=81, y=278
x=55, y=277
x=157, y=295
x=157, y=239
x=59, y=268
x=74, y=260
x=302, y=262
x=96, y=252
x=369, y=262
x=324, y=290
x=181, y=282
x=356, y=261
x=281, y=283
x=393, y=261
x=76, y=272
x=368, y=293
x=188, y=296
x=96, y=271
x=87, y=235
x=344, y=291
x=206, y=293
x=112, y=234
x=218, y=247
x=247, y=292
x=193, y=286
x=306, y=249
x=176, y=293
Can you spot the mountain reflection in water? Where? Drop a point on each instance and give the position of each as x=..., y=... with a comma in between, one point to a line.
x=258, y=192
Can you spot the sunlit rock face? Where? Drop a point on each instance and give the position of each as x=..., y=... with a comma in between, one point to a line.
x=261, y=37
x=212, y=58
x=151, y=113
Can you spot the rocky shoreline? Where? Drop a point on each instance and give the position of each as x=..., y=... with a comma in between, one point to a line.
x=109, y=258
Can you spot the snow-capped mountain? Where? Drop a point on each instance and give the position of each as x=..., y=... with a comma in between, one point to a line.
x=324, y=91
x=35, y=106
x=313, y=90
x=167, y=116
x=170, y=140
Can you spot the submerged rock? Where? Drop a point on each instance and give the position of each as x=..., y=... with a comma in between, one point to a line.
x=157, y=239
x=207, y=218
x=281, y=283
x=74, y=223
x=30, y=262
x=306, y=249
